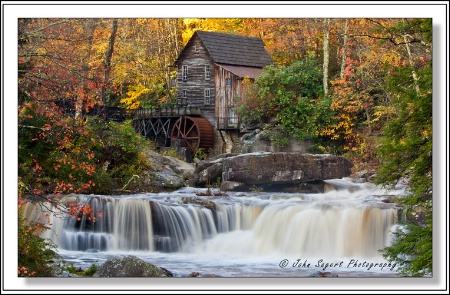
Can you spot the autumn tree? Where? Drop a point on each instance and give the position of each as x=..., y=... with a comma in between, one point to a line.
x=225, y=25
x=146, y=52
x=66, y=61
x=360, y=103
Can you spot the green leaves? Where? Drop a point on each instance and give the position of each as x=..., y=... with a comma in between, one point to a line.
x=291, y=94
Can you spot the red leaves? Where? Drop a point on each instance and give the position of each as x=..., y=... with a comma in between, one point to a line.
x=80, y=211
x=46, y=127
x=23, y=271
x=92, y=85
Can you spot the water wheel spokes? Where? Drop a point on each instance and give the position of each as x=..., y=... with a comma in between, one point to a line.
x=187, y=131
x=195, y=132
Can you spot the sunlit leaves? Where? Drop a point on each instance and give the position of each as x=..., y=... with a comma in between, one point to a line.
x=225, y=25
x=132, y=101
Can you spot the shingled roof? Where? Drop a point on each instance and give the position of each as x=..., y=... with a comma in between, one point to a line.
x=235, y=50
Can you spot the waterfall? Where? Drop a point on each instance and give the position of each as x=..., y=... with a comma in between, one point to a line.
x=342, y=222
x=179, y=228
x=314, y=231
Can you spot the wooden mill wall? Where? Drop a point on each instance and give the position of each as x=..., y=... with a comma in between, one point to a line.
x=197, y=82
x=226, y=95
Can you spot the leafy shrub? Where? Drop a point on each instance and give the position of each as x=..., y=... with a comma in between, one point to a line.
x=120, y=152
x=55, y=151
x=290, y=94
x=34, y=252
x=59, y=154
x=91, y=270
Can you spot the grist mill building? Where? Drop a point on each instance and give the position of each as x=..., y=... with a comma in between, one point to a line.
x=210, y=71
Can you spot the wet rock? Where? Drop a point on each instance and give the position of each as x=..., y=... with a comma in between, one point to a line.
x=195, y=274
x=364, y=176
x=389, y=199
x=130, y=266
x=204, y=203
x=323, y=274
x=168, y=272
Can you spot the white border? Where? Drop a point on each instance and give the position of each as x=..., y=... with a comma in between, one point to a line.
x=298, y=9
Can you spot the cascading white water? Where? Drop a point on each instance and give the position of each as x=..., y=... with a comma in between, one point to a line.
x=346, y=221
x=236, y=217
x=181, y=227
x=334, y=232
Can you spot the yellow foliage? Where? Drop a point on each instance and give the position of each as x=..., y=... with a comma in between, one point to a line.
x=382, y=111
x=41, y=51
x=133, y=101
x=391, y=57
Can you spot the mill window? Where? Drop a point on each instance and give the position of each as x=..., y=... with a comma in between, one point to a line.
x=185, y=73
x=207, y=96
x=207, y=72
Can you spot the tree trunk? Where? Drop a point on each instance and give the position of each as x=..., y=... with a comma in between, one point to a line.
x=108, y=58
x=326, y=56
x=411, y=62
x=90, y=27
x=344, y=50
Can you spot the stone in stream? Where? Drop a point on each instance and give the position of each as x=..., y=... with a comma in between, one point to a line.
x=130, y=266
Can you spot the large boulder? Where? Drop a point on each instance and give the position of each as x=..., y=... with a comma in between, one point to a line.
x=170, y=173
x=266, y=168
x=130, y=266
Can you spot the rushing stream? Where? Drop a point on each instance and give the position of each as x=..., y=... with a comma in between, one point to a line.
x=239, y=235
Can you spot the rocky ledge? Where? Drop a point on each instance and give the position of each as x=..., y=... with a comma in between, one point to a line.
x=271, y=171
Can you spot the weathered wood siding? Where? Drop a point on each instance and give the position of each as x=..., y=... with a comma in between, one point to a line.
x=196, y=82
x=226, y=115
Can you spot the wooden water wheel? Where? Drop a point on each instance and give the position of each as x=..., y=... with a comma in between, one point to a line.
x=195, y=132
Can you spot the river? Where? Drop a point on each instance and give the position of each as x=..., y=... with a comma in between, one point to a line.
x=242, y=234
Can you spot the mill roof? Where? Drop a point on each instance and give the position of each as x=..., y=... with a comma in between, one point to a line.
x=234, y=49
